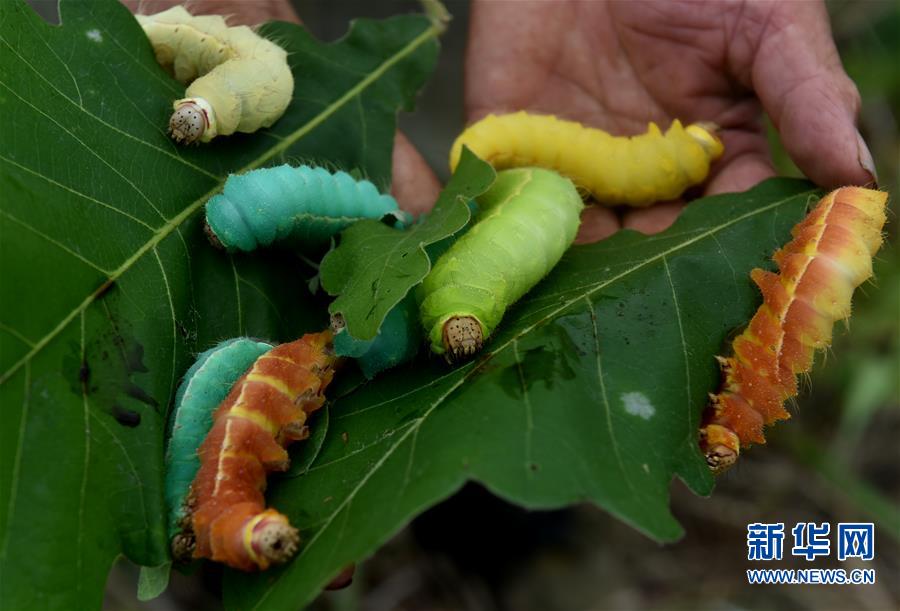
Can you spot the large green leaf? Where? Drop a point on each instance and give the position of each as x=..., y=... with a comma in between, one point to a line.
x=108, y=286
x=591, y=391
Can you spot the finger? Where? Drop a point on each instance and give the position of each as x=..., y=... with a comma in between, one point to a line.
x=510, y=49
x=414, y=185
x=653, y=219
x=597, y=223
x=797, y=74
x=746, y=161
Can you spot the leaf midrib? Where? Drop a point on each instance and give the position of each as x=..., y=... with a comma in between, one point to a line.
x=417, y=423
x=165, y=230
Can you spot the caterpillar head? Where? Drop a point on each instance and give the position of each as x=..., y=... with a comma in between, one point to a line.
x=706, y=133
x=462, y=337
x=721, y=446
x=271, y=539
x=189, y=122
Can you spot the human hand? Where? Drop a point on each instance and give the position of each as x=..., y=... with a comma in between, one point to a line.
x=414, y=184
x=619, y=65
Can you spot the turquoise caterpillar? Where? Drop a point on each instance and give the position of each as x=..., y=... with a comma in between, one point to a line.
x=300, y=206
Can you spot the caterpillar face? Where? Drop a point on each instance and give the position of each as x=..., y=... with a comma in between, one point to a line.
x=722, y=447
x=461, y=337
x=188, y=123
x=270, y=539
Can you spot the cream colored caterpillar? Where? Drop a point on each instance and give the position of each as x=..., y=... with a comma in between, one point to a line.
x=636, y=171
x=239, y=81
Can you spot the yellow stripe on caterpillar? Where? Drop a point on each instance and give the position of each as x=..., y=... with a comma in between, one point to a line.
x=636, y=171
x=239, y=81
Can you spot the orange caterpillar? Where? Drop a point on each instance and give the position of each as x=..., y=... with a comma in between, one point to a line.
x=265, y=411
x=830, y=255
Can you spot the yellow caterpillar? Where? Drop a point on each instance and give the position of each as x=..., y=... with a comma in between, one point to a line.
x=636, y=171
x=239, y=81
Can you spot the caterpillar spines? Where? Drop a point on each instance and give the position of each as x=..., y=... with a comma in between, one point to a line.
x=204, y=387
x=829, y=256
x=265, y=410
x=636, y=171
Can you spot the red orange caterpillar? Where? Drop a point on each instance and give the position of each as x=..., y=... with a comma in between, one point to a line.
x=239, y=81
x=830, y=255
x=265, y=411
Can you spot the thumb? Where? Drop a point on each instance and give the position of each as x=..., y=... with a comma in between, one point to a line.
x=797, y=75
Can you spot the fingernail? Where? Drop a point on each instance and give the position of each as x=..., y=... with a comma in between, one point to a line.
x=865, y=158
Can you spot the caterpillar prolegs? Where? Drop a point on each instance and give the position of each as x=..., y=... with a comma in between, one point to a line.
x=239, y=81
x=636, y=171
x=829, y=256
x=526, y=221
x=265, y=411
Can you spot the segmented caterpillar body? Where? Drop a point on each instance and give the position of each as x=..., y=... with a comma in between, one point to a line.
x=829, y=256
x=204, y=387
x=636, y=171
x=239, y=81
x=264, y=412
x=303, y=206
x=526, y=221
x=397, y=342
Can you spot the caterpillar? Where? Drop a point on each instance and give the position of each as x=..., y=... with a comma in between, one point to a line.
x=265, y=411
x=301, y=205
x=526, y=221
x=203, y=388
x=829, y=256
x=635, y=171
x=397, y=342
x=239, y=81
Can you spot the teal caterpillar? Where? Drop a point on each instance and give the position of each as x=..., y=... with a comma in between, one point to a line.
x=526, y=221
x=204, y=387
x=397, y=342
x=297, y=206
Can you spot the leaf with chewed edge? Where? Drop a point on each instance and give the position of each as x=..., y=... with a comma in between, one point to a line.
x=110, y=288
x=590, y=390
x=375, y=266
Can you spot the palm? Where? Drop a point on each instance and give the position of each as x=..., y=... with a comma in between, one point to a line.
x=619, y=65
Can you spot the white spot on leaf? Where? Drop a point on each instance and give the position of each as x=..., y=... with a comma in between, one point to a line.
x=637, y=404
x=94, y=35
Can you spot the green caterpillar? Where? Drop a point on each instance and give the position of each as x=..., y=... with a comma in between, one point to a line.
x=526, y=221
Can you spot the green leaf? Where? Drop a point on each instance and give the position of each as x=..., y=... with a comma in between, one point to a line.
x=153, y=581
x=110, y=288
x=591, y=390
x=374, y=267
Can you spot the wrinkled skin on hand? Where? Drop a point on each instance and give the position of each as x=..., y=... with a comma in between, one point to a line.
x=618, y=65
